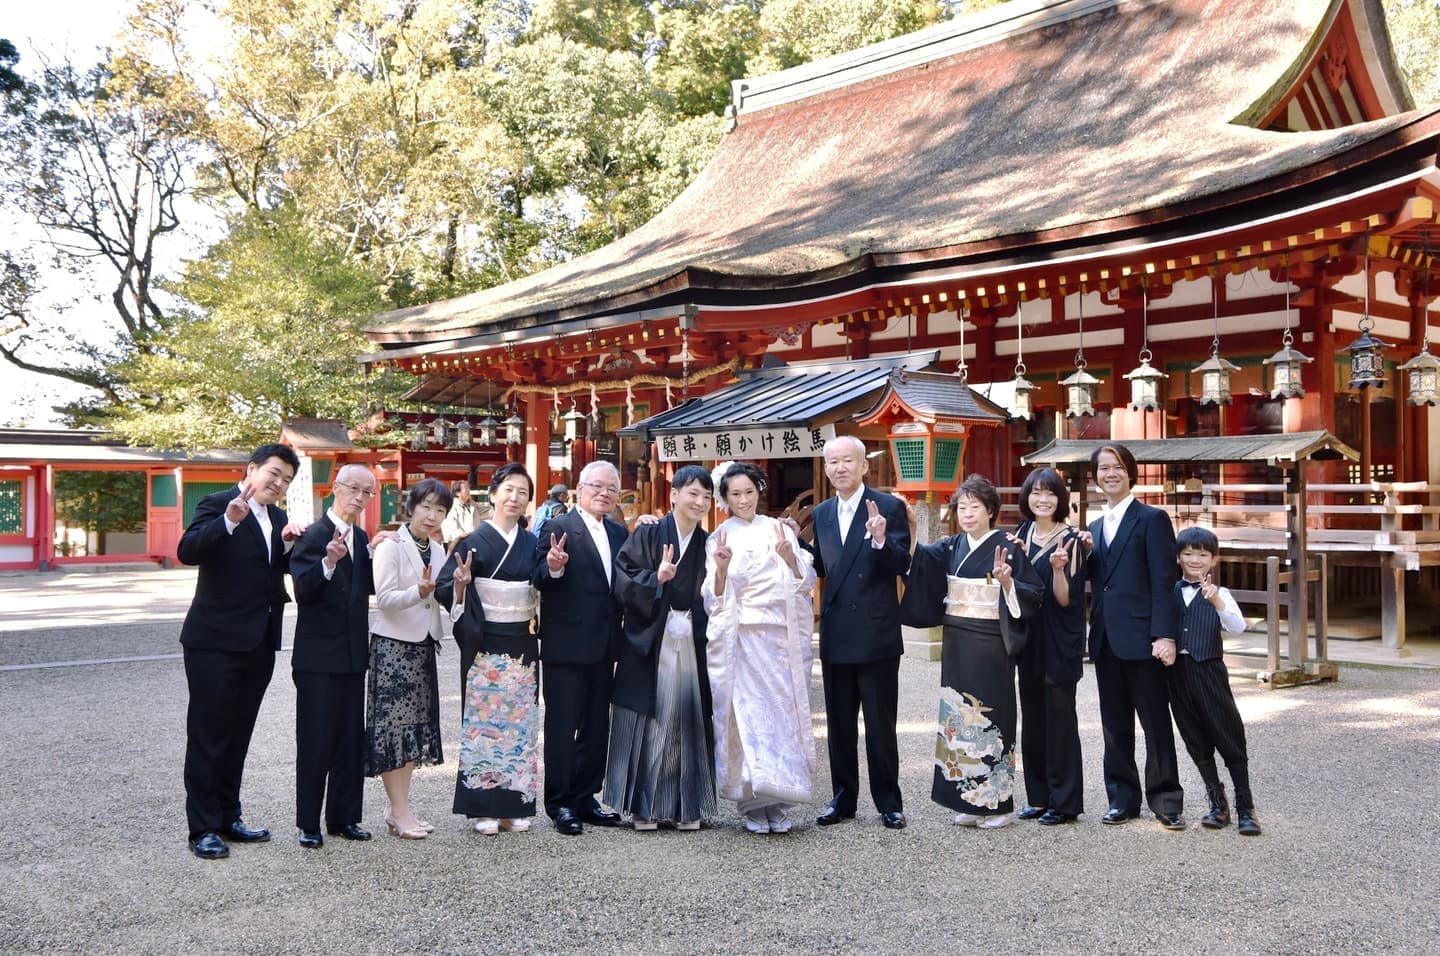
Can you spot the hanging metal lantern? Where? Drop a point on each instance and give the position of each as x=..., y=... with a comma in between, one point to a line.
x=417, y=435
x=440, y=430
x=1145, y=384
x=514, y=429
x=1424, y=373
x=574, y=424
x=1215, y=378
x=1366, y=365
x=1020, y=406
x=1080, y=390
x=464, y=432
x=1285, y=370
x=1081, y=387
x=487, y=430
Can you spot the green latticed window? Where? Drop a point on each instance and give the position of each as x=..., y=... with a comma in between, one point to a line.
x=12, y=507
x=389, y=504
x=910, y=458
x=947, y=459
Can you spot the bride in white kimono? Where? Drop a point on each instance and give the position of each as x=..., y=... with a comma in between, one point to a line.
x=757, y=595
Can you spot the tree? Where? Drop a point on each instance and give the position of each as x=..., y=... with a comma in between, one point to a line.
x=98, y=169
x=798, y=31
x=275, y=335
x=1415, y=33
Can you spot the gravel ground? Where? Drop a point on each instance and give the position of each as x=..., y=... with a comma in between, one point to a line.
x=93, y=857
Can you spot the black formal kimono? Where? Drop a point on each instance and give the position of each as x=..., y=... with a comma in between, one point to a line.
x=499, y=664
x=1050, y=667
x=975, y=741
x=661, y=757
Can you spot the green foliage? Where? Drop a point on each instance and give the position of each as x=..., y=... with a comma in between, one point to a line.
x=275, y=336
x=1415, y=33
x=798, y=31
x=101, y=502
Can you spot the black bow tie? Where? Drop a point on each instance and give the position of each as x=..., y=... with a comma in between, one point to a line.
x=1197, y=585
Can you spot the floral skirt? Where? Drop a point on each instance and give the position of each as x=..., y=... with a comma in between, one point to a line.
x=975, y=741
x=403, y=710
x=499, y=738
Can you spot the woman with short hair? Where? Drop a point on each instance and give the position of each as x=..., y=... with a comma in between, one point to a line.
x=403, y=725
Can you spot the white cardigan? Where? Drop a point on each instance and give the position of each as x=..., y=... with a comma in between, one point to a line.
x=404, y=615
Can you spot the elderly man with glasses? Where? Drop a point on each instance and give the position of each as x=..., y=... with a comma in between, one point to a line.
x=330, y=567
x=579, y=639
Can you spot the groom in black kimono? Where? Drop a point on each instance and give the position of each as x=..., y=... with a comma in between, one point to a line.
x=657, y=578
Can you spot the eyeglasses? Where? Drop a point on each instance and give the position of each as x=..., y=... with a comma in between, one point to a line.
x=362, y=492
x=600, y=489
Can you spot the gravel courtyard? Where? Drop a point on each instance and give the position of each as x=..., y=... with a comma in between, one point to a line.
x=93, y=855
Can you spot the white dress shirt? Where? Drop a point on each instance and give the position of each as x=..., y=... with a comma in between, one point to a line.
x=1231, y=620
x=845, y=509
x=1114, y=515
x=262, y=515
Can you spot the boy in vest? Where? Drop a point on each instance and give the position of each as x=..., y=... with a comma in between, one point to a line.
x=1200, y=696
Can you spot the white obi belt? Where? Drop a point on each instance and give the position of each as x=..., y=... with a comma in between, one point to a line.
x=507, y=602
x=974, y=598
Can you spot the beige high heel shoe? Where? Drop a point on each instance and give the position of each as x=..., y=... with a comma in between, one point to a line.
x=415, y=833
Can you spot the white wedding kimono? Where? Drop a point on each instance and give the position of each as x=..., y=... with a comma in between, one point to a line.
x=758, y=656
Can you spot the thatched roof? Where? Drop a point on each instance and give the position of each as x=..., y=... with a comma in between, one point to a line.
x=1036, y=121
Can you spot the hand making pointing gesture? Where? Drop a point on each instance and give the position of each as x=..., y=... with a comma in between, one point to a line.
x=1003, y=573
x=666, y=571
x=875, y=523
x=335, y=549
x=239, y=506
x=557, y=557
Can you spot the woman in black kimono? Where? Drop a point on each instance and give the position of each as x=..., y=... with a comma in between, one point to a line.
x=661, y=762
x=488, y=579
x=980, y=585
x=1050, y=665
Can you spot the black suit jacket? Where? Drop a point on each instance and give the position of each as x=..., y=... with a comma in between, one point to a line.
x=1132, y=583
x=579, y=615
x=239, y=593
x=860, y=609
x=332, y=627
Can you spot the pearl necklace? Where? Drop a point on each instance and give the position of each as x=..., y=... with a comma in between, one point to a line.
x=1043, y=539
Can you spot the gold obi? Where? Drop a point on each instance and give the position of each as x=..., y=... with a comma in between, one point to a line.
x=506, y=602
x=976, y=598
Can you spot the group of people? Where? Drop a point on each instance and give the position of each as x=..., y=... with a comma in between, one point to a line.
x=674, y=663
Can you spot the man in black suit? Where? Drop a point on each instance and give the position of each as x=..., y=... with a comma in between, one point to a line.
x=239, y=539
x=579, y=638
x=1133, y=624
x=333, y=583
x=862, y=545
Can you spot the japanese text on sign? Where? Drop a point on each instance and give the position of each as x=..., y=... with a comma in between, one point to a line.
x=746, y=443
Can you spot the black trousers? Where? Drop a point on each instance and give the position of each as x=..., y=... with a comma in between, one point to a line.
x=577, y=733
x=1050, y=744
x=226, y=689
x=1210, y=722
x=329, y=749
x=874, y=689
x=1130, y=689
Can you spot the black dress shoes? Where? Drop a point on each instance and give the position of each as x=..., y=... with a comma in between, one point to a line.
x=1051, y=818
x=1115, y=816
x=893, y=820
x=209, y=846
x=568, y=823
x=1031, y=813
x=832, y=816
x=350, y=831
x=597, y=817
x=311, y=841
x=1171, y=821
x=240, y=833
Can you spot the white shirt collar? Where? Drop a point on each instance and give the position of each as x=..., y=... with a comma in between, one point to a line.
x=341, y=525
x=591, y=521
x=1115, y=514
x=854, y=500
